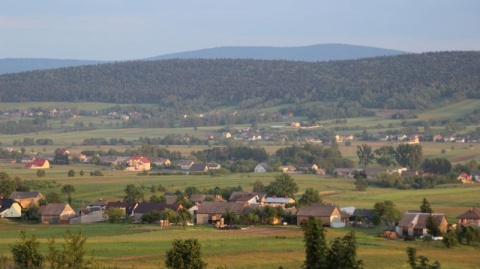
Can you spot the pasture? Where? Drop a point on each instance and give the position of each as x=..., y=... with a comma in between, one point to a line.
x=263, y=246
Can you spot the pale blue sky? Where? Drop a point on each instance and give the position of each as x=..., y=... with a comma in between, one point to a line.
x=133, y=29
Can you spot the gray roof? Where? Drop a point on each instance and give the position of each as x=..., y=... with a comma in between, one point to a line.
x=278, y=200
x=220, y=207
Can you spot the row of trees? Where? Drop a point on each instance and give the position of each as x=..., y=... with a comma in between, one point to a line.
x=405, y=155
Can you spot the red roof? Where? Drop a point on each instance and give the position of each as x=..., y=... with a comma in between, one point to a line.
x=36, y=162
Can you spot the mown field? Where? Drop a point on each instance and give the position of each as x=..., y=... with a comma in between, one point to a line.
x=263, y=246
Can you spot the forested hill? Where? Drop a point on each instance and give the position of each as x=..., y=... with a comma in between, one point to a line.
x=12, y=65
x=404, y=81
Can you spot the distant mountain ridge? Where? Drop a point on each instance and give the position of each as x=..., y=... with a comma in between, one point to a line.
x=15, y=65
x=313, y=53
x=322, y=52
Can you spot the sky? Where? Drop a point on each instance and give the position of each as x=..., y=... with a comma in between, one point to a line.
x=127, y=29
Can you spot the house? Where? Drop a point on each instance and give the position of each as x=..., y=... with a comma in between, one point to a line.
x=476, y=175
x=161, y=161
x=100, y=204
x=413, y=139
x=249, y=198
x=414, y=223
x=329, y=214
x=226, y=135
x=81, y=157
x=38, y=164
x=437, y=138
x=245, y=197
x=321, y=172
x=343, y=172
x=88, y=215
x=465, y=178
x=185, y=164
x=213, y=166
x=295, y=124
x=199, y=167
x=211, y=212
x=10, y=208
x=307, y=166
x=127, y=207
x=108, y=160
x=137, y=163
x=471, y=216
x=26, y=198
x=200, y=198
x=372, y=172
x=171, y=197
x=143, y=208
x=287, y=169
x=261, y=168
x=278, y=201
x=362, y=217
x=56, y=213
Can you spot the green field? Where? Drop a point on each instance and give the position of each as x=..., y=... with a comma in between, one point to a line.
x=144, y=246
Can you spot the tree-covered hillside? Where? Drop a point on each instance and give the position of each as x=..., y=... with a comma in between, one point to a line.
x=413, y=81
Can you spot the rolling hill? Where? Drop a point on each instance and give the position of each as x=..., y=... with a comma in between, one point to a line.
x=410, y=81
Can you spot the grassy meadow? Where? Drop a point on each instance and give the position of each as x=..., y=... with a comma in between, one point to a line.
x=263, y=246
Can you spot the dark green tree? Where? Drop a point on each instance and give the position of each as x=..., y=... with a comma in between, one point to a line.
x=425, y=207
x=133, y=194
x=316, y=248
x=185, y=254
x=71, y=173
x=361, y=183
x=283, y=185
x=385, y=211
x=432, y=226
x=386, y=156
x=343, y=253
x=7, y=185
x=68, y=190
x=309, y=197
x=258, y=186
x=53, y=197
x=409, y=155
x=365, y=155
x=114, y=214
x=450, y=239
x=25, y=253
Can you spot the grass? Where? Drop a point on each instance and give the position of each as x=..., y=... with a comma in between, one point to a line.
x=144, y=246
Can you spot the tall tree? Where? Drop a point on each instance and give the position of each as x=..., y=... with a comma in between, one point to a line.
x=386, y=156
x=365, y=155
x=432, y=226
x=409, y=155
x=185, y=254
x=68, y=190
x=283, y=185
x=425, y=207
x=315, y=244
x=133, y=194
x=309, y=197
x=386, y=211
x=343, y=253
x=7, y=185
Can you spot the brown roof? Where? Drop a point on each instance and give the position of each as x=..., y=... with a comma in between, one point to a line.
x=472, y=213
x=54, y=209
x=99, y=202
x=317, y=210
x=419, y=220
x=220, y=207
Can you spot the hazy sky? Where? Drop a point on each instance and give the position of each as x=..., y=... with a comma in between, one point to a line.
x=133, y=29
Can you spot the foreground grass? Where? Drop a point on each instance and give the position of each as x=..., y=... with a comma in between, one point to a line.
x=144, y=246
